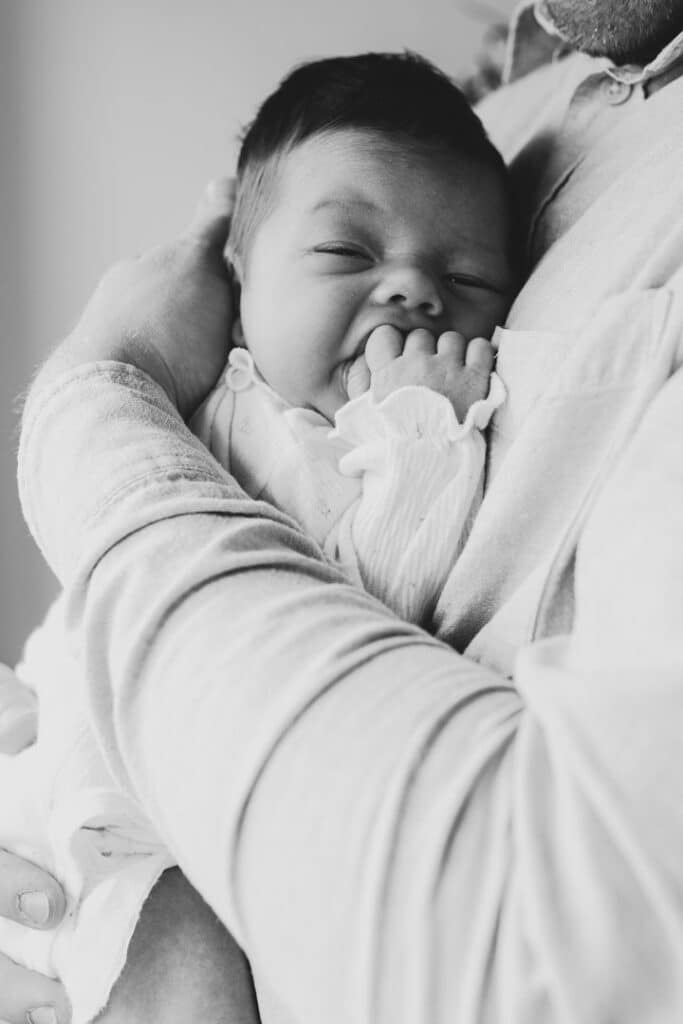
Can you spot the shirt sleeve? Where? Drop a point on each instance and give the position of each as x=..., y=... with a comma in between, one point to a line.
x=421, y=474
x=394, y=834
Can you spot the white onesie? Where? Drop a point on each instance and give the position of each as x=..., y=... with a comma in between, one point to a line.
x=389, y=493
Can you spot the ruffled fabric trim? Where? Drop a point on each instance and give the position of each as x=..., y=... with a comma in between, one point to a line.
x=413, y=412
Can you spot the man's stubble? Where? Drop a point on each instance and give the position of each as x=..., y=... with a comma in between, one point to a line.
x=626, y=31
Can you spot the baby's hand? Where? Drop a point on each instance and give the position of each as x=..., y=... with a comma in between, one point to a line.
x=453, y=367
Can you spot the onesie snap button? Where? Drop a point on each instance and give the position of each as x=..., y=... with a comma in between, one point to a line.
x=240, y=373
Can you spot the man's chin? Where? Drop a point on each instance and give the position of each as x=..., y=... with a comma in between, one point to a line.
x=625, y=31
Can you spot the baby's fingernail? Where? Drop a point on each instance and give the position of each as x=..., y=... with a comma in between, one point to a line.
x=42, y=1015
x=34, y=907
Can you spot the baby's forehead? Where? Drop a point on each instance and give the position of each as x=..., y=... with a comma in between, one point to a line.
x=405, y=197
x=357, y=170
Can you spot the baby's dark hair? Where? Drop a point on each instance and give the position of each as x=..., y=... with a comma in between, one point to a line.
x=399, y=94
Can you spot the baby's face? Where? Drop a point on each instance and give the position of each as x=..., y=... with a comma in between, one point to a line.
x=364, y=232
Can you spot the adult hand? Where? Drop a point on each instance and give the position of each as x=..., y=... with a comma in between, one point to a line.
x=31, y=897
x=28, y=895
x=168, y=312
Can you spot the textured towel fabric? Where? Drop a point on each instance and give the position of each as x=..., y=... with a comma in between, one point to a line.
x=375, y=494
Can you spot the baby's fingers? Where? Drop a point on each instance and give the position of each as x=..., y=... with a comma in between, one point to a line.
x=480, y=355
x=358, y=379
x=420, y=340
x=383, y=346
x=453, y=345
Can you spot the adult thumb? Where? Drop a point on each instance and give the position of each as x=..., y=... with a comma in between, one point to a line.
x=211, y=222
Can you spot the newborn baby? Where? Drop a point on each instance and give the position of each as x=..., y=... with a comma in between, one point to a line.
x=371, y=249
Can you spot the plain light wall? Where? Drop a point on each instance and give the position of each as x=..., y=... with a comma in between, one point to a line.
x=113, y=115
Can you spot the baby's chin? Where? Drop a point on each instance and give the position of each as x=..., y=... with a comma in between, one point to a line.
x=349, y=380
x=329, y=405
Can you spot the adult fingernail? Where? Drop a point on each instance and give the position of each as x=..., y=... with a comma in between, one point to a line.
x=42, y=1015
x=221, y=188
x=34, y=907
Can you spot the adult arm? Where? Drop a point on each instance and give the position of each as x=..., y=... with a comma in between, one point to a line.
x=392, y=832
x=30, y=896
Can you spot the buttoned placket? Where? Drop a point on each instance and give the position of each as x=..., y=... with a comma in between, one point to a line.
x=599, y=102
x=598, y=105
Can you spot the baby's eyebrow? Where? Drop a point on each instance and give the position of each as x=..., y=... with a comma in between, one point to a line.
x=346, y=202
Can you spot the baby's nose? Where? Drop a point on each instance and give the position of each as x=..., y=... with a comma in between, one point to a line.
x=411, y=287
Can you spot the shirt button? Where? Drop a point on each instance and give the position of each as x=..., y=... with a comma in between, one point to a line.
x=616, y=92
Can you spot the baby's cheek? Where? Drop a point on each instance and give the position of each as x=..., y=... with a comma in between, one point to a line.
x=489, y=318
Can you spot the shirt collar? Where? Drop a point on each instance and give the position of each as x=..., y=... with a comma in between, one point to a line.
x=535, y=40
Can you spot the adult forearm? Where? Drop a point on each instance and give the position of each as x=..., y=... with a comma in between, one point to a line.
x=269, y=716
x=390, y=831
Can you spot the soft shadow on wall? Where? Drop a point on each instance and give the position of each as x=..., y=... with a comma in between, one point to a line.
x=113, y=115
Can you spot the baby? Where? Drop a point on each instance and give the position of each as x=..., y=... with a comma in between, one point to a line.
x=371, y=246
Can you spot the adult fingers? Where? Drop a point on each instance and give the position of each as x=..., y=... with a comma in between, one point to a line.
x=420, y=341
x=30, y=998
x=28, y=894
x=384, y=344
x=211, y=222
x=18, y=713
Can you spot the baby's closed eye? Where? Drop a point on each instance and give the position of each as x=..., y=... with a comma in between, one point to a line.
x=342, y=257
x=343, y=249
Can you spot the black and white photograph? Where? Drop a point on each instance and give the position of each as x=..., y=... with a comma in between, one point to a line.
x=341, y=512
